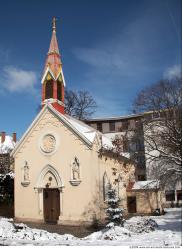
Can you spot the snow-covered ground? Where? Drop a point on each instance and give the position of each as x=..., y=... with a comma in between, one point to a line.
x=155, y=231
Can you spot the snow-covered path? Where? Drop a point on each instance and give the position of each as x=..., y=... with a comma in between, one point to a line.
x=168, y=233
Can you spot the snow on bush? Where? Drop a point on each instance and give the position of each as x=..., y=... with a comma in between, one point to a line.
x=14, y=231
x=134, y=225
x=109, y=233
x=140, y=224
x=9, y=230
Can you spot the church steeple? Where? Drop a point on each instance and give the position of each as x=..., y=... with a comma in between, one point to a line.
x=53, y=79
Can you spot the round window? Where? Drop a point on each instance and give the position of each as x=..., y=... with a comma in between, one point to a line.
x=48, y=143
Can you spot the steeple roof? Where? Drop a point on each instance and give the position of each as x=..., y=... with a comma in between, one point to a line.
x=53, y=60
x=54, y=44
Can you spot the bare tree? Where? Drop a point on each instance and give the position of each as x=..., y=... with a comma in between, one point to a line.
x=79, y=104
x=162, y=127
x=156, y=141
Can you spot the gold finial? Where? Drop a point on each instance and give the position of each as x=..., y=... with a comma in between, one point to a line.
x=54, y=24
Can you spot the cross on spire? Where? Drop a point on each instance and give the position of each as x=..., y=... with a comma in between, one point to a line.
x=53, y=49
x=54, y=24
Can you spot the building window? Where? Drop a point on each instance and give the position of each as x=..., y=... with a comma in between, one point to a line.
x=179, y=195
x=99, y=127
x=106, y=186
x=138, y=124
x=170, y=195
x=141, y=178
x=49, y=89
x=140, y=160
x=125, y=125
x=112, y=126
x=59, y=91
x=163, y=114
x=148, y=117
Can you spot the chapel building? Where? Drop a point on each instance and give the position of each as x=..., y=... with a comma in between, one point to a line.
x=62, y=168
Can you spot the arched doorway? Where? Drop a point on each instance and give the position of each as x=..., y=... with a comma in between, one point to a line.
x=51, y=204
x=49, y=186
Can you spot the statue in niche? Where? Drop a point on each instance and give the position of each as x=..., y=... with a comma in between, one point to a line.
x=75, y=169
x=26, y=171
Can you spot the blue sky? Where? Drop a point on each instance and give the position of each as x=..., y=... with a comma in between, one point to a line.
x=112, y=48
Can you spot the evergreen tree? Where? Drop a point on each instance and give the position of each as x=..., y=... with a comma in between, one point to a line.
x=114, y=212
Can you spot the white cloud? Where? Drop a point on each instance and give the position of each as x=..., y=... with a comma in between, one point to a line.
x=18, y=80
x=173, y=71
x=100, y=58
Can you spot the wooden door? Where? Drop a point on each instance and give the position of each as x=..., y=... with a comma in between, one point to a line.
x=51, y=205
x=131, y=203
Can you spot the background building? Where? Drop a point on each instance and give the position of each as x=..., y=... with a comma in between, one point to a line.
x=133, y=126
x=126, y=127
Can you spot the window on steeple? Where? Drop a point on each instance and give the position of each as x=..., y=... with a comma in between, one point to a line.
x=59, y=90
x=49, y=89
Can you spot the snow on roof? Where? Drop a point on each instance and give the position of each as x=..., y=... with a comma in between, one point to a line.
x=84, y=129
x=7, y=146
x=106, y=142
x=113, y=118
x=152, y=184
x=89, y=132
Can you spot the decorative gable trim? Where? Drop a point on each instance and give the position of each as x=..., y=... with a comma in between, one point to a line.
x=48, y=70
x=97, y=142
x=61, y=72
x=61, y=118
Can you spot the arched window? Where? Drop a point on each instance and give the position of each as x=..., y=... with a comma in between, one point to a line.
x=59, y=90
x=49, y=89
x=106, y=186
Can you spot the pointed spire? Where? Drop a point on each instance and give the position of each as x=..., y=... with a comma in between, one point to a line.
x=53, y=60
x=54, y=44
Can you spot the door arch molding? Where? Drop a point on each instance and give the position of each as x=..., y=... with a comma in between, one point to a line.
x=44, y=171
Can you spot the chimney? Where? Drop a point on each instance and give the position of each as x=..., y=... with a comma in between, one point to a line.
x=14, y=137
x=3, y=136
